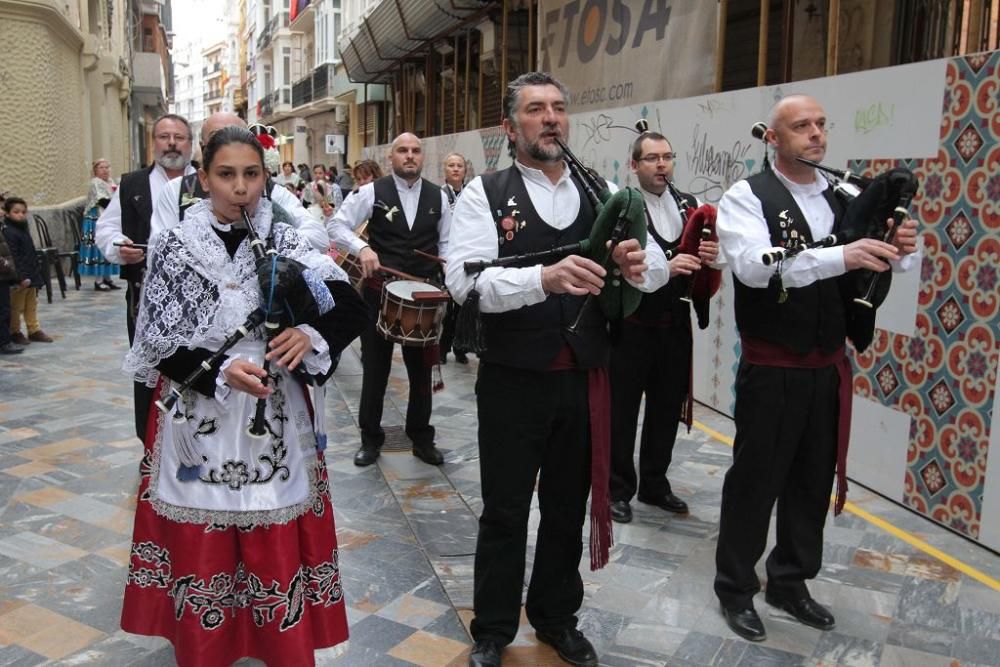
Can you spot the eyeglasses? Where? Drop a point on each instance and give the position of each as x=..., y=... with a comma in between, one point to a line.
x=172, y=138
x=653, y=159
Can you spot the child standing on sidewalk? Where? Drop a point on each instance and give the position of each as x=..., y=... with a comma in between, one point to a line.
x=8, y=277
x=24, y=296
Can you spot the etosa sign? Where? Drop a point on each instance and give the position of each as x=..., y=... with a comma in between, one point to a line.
x=593, y=26
x=598, y=47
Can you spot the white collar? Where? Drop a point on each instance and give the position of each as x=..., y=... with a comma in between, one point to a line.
x=403, y=186
x=656, y=198
x=816, y=187
x=539, y=176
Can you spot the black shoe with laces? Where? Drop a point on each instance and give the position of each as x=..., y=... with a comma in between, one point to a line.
x=429, y=454
x=366, y=455
x=571, y=646
x=101, y=287
x=805, y=610
x=621, y=511
x=111, y=284
x=746, y=623
x=485, y=653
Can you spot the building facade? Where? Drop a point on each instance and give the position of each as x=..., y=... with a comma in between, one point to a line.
x=189, y=83
x=297, y=81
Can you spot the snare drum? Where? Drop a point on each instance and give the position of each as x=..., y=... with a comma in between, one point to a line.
x=411, y=312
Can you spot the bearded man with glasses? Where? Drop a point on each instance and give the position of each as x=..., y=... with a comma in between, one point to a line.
x=122, y=231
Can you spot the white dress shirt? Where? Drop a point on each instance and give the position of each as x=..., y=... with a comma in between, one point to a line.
x=359, y=205
x=744, y=236
x=109, y=226
x=167, y=213
x=474, y=237
x=664, y=214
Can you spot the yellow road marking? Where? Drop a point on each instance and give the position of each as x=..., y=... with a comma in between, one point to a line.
x=910, y=539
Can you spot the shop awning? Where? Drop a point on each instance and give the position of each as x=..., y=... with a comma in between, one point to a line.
x=395, y=29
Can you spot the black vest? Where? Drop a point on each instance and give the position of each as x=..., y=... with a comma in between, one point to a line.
x=667, y=299
x=137, y=211
x=393, y=240
x=532, y=336
x=190, y=194
x=812, y=317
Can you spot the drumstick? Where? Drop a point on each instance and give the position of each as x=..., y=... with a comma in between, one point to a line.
x=401, y=274
x=439, y=260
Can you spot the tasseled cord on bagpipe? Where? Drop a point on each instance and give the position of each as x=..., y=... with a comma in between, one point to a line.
x=469, y=325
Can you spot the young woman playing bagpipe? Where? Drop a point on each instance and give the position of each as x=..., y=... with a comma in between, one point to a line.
x=234, y=552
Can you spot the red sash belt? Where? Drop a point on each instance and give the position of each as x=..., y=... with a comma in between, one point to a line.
x=599, y=403
x=763, y=353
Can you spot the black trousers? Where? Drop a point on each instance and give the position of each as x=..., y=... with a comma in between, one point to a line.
x=784, y=451
x=448, y=328
x=142, y=396
x=655, y=361
x=531, y=424
x=376, y=362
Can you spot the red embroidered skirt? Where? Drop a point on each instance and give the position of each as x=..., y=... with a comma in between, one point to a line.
x=220, y=593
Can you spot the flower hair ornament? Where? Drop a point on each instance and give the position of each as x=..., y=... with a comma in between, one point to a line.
x=266, y=136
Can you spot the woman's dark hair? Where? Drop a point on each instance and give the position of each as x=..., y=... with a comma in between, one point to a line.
x=231, y=134
x=288, y=163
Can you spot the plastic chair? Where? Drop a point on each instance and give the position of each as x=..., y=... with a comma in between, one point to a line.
x=49, y=255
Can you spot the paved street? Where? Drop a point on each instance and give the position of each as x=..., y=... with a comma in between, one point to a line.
x=69, y=471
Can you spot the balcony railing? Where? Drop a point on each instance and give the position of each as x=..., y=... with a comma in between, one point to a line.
x=276, y=102
x=264, y=39
x=317, y=86
x=302, y=92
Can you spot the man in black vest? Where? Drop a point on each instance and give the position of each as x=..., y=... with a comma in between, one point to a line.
x=126, y=221
x=538, y=384
x=653, y=354
x=794, y=376
x=405, y=213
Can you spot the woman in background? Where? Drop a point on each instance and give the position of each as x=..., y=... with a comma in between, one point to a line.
x=92, y=262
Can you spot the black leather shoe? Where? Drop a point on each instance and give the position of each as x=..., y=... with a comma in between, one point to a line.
x=429, y=454
x=571, y=646
x=366, y=456
x=621, y=511
x=806, y=611
x=485, y=653
x=461, y=358
x=746, y=623
x=668, y=502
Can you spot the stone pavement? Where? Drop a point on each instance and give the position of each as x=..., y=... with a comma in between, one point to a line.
x=68, y=474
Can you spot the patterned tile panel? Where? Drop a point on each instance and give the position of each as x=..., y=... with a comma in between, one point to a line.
x=944, y=376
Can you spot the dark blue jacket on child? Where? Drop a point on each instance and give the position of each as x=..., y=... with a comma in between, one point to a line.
x=22, y=249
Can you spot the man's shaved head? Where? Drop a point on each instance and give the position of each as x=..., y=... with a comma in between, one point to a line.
x=406, y=137
x=217, y=121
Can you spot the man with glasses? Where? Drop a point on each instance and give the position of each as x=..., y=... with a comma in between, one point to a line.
x=653, y=354
x=123, y=229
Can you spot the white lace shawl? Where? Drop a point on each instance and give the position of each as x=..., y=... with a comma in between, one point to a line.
x=99, y=189
x=195, y=295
